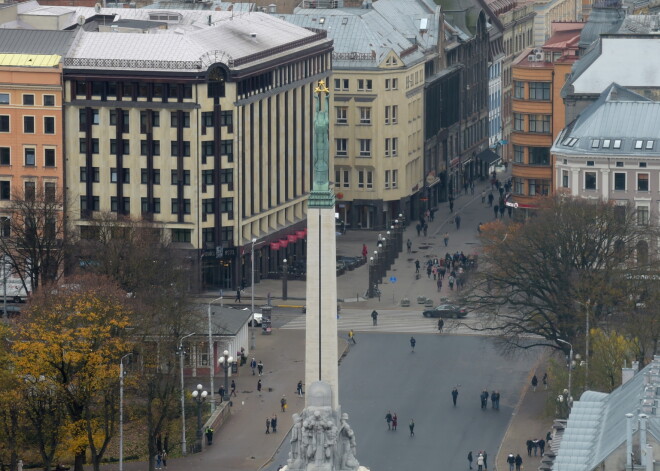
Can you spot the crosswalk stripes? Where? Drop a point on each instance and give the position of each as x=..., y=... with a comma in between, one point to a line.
x=388, y=321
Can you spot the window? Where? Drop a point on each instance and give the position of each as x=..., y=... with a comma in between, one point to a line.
x=30, y=159
x=28, y=124
x=639, y=144
x=227, y=205
x=642, y=215
x=185, y=207
x=181, y=235
x=341, y=147
x=518, y=122
x=207, y=119
x=364, y=85
x=5, y=227
x=649, y=145
x=388, y=85
x=49, y=157
x=30, y=191
x=28, y=100
x=144, y=120
x=125, y=205
x=126, y=175
x=185, y=148
x=539, y=90
x=387, y=179
x=185, y=177
x=365, y=147
x=564, y=178
x=49, y=191
x=95, y=174
x=595, y=143
x=518, y=154
x=518, y=186
x=365, y=115
x=174, y=119
x=144, y=203
x=49, y=125
x=208, y=206
x=617, y=144
x=5, y=156
x=208, y=149
x=49, y=100
x=620, y=181
x=619, y=164
x=395, y=114
x=82, y=116
x=642, y=165
x=395, y=175
x=342, y=112
x=226, y=119
x=96, y=205
x=4, y=123
x=227, y=148
x=125, y=146
x=589, y=180
x=208, y=177
x=5, y=190
x=539, y=123
x=539, y=156
x=642, y=182
x=144, y=147
x=590, y=163
x=125, y=119
x=341, y=84
x=395, y=146
x=606, y=143
x=93, y=149
x=4, y=98
x=518, y=89
x=155, y=176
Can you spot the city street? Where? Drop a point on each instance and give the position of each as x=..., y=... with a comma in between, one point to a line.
x=380, y=373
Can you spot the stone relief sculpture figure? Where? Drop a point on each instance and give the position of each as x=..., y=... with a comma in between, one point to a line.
x=347, y=446
x=297, y=442
x=321, y=132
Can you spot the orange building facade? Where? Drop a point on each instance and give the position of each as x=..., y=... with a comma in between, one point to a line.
x=538, y=112
x=31, y=129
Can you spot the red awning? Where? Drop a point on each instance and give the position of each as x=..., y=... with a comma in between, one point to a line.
x=292, y=238
x=300, y=234
x=275, y=246
x=283, y=243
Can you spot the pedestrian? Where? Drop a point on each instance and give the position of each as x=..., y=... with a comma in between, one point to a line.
x=417, y=267
x=511, y=460
x=545, y=381
x=497, y=400
x=411, y=426
x=451, y=205
x=267, y=423
x=542, y=446
x=535, y=446
x=159, y=461
x=283, y=403
x=496, y=210
x=509, y=210
x=413, y=342
x=479, y=228
x=454, y=396
x=483, y=197
x=480, y=462
x=530, y=445
x=446, y=238
x=233, y=388
x=457, y=220
x=548, y=436
x=441, y=324
x=299, y=388
x=273, y=423
x=259, y=386
x=429, y=270
x=419, y=229
x=364, y=252
x=451, y=280
x=485, y=459
x=253, y=366
x=388, y=419
x=425, y=229
x=518, y=462
x=374, y=317
x=502, y=208
x=439, y=284
x=351, y=336
x=470, y=458
x=535, y=382
x=260, y=368
x=209, y=435
x=221, y=393
x=395, y=421
x=409, y=245
x=490, y=199
x=238, y=295
x=164, y=457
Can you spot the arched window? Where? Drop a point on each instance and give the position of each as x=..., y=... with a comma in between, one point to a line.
x=642, y=252
x=5, y=226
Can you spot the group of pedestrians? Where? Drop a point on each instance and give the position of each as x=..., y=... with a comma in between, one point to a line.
x=393, y=421
x=535, y=382
x=271, y=423
x=482, y=460
x=535, y=445
x=257, y=366
x=516, y=461
x=494, y=399
x=452, y=265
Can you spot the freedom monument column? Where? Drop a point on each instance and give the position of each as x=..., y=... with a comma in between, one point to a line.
x=321, y=438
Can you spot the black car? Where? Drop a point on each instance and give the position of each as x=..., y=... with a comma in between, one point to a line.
x=349, y=262
x=446, y=311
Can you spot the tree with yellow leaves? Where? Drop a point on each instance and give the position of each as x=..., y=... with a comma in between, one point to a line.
x=71, y=339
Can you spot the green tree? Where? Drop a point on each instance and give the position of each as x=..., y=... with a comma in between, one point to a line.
x=610, y=351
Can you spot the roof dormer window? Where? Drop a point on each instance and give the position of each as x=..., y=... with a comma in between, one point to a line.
x=595, y=143
x=606, y=143
x=639, y=144
x=649, y=145
x=617, y=144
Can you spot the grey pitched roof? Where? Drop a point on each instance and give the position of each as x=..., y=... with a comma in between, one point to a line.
x=225, y=321
x=597, y=423
x=19, y=41
x=601, y=20
x=617, y=114
x=640, y=24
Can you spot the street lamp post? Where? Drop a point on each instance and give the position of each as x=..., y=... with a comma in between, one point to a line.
x=370, y=290
x=199, y=396
x=377, y=268
x=225, y=360
x=285, y=278
x=390, y=249
x=121, y=411
x=586, y=340
x=183, y=399
x=569, y=399
x=211, y=355
x=253, y=341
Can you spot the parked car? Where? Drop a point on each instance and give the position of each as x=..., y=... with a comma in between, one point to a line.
x=350, y=262
x=257, y=319
x=446, y=311
x=341, y=268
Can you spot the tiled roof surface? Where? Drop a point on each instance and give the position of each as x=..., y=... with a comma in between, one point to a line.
x=20, y=41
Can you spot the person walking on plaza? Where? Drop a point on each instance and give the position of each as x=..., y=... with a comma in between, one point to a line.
x=441, y=324
x=451, y=280
x=260, y=368
x=164, y=457
x=545, y=381
x=259, y=386
x=535, y=382
x=299, y=388
x=530, y=445
x=283, y=403
x=233, y=388
x=388, y=419
x=409, y=245
x=480, y=462
x=411, y=426
x=483, y=197
x=267, y=424
x=542, y=446
x=273, y=423
x=518, y=462
x=490, y=199
x=159, y=461
x=511, y=460
x=457, y=220
x=238, y=295
x=446, y=238
x=253, y=366
x=439, y=284
x=413, y=342
x=395, y=421
x=451, y=205
x=374, y=317
x=221, y=393
x=351, y=336
x=496, y=209
x=485, y=459
x=425, y=228
x=454, y=395
x=470, y=458
x=364, y=252
x=417, y=265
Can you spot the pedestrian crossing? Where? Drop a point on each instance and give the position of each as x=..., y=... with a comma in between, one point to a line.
x=393, y=321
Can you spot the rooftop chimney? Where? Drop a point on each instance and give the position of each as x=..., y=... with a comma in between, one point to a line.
x=629, y=441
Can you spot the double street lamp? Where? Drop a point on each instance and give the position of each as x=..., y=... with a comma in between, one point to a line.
x=211, y=356
x=181, y=354
x=121, y=411
x=569, y=398
x=252, y=338
x=199, y=396
x=225, y=360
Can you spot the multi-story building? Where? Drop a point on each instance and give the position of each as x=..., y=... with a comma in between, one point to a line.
x=538, y=111
x=553, y=11
x=204, y=130
x=31, y=121
x=611, y=152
